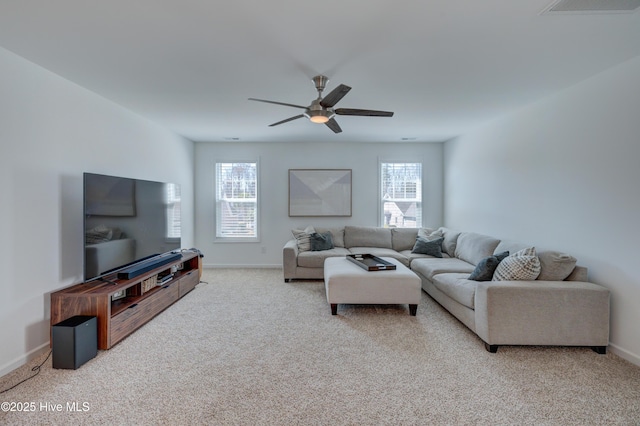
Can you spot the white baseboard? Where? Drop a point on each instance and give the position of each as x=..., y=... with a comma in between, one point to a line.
x=19, y=362
x=624, y=354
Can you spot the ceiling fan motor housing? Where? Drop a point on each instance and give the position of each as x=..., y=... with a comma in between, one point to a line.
x=317, y=113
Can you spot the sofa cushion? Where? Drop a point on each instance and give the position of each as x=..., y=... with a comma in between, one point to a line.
x=522, y=265
x=403, y=238
x=337, y=235
x=458, y=287
x=472, y=247
x=303, y=238
x=367, y=236
x=450, y=240
x=487, y=266
x=381, y=252
x=555, y=266
x=321, y=242
x=412, y=256
x=430, y=266
x=510, y=246
x=430, y=247
x=315, y=259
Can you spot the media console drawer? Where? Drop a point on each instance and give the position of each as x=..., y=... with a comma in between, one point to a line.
x=188, y=282
x=138, y=314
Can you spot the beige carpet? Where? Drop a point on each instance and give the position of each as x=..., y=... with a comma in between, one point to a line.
x=248, y=349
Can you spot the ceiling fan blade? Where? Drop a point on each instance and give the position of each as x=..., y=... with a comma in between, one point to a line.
x=278, y=103
x=333, y=125
x=363, y=112
x=286, y=120
x=334, y=96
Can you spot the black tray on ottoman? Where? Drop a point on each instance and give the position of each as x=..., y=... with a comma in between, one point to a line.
x=370, y=262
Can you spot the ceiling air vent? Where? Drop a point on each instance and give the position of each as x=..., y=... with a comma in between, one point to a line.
x=591, y=6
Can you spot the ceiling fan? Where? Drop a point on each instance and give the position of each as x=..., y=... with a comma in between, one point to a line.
x=321, y=109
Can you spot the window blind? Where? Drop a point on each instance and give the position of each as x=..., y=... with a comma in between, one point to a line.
x=236, y=200
x=173, y=210
x=401, y=195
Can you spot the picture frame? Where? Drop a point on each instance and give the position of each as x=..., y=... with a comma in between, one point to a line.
x=320, y=192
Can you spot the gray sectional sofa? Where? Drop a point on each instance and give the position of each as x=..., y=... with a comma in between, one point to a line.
x=549, y=303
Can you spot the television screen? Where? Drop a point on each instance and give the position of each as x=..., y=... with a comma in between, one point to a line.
x=126, y=221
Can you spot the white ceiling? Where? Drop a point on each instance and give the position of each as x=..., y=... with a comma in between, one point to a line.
x=443, y=66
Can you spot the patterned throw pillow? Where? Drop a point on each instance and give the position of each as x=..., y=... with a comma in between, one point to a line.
x=520, y=266
x=303, y=238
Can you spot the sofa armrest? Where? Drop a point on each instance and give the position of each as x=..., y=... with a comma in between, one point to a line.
x=290, y=259
x=564, y=313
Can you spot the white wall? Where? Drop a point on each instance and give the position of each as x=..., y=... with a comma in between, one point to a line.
x=563, y=173
x=51, y=131
x=275, y=159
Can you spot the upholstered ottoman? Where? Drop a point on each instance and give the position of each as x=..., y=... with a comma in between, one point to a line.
x=346, y=282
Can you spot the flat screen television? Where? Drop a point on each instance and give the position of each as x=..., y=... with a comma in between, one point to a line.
x=127, y=221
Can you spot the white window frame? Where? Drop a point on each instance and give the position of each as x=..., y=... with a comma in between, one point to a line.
x=173, y=193
x=219, y=236
x=383, y=220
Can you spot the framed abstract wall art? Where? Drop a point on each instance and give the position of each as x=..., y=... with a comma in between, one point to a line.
x=319, y=192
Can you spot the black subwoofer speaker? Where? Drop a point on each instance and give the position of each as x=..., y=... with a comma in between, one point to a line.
x=74, y=341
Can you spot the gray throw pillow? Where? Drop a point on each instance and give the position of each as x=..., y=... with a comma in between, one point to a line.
x=487, y=266
x=321, y=241
x=430, y=247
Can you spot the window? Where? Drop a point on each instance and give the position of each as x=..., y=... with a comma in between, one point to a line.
x=173, y=210
x=237, y=201
x=401, y=195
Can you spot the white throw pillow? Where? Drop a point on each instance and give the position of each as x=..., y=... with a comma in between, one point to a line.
x=520, y=266
x=429, y=234
x=303, y=238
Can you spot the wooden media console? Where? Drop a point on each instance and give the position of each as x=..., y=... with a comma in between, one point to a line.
x=124, y=305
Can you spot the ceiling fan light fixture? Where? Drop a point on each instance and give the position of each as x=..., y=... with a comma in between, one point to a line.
x=319, y=117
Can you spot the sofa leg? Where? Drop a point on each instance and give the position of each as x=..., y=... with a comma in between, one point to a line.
x=602, y=350
x=413, y=309
x=334, y=309
x=491, y=348
x=287, y=280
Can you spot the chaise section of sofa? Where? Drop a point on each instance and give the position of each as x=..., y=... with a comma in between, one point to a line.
x=558, y=308
x=542, y=313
